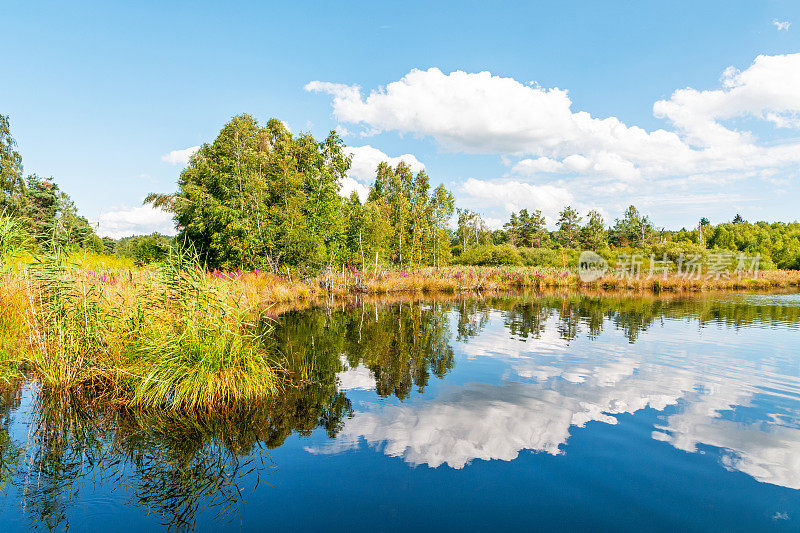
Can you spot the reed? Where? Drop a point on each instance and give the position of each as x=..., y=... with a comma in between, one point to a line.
x=169, y=336
x=178, y=338
x=198, y=351
x=67, y=326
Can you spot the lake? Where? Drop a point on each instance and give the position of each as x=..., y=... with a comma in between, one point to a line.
x=550, y=412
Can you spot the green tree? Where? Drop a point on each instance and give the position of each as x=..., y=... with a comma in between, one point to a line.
x=512, y=229
x=12, y=186
x=52, y=217
x=407, y=225
x=532, y=231
x=472, y=230
x=632, y=230
x=260, y=197
x=442, y=207
x=421, y=227
x=593, y=234
x=569, y=227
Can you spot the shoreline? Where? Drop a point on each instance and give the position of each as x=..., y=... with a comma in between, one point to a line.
x=191, y=341
x=273, y=290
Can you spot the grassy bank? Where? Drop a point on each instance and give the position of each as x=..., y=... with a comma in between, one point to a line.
x=175, y=336
x=456, y=279
x=166, y=336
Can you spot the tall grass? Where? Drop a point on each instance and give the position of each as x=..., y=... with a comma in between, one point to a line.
x=198, y=350
x=68, y=326
x=14, y=240
x=171, y=337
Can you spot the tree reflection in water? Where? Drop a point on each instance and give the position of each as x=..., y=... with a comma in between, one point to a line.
x=180, y=466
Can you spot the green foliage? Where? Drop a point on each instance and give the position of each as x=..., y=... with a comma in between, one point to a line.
x=569, y=227
x=52, y=216
x=633, y=229
x=442, y=206
x=14, y=238
x=202, y=353
x=404, y=223
x=778, y=243
x=593, y=234
x=260, y=197
x=490, y=255
x=527, y=230
x=143, y=249
x=548, y=257
x=68, y=324
x=12, y=186
x=38, y=205
x=472, y=230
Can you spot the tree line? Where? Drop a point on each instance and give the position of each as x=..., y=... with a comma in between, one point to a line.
x=45, y=211
x=260, y=197
x=525, y=238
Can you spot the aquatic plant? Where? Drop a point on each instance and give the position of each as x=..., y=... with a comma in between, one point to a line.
x=192, y=348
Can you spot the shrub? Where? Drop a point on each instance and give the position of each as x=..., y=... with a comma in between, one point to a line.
x=490, y=255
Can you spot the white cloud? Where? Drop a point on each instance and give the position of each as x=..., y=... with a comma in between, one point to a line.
x=355, y=378
x=529, y=167
x=781, y=25
x=348, y=185
x=572, y=383
x=515, y=195
x=769, y=90
x=180, y=157
x=492, y=223
x=603, y=163
x=364, y=164
x=482, y=113
x=366, y=159
x=126, y=221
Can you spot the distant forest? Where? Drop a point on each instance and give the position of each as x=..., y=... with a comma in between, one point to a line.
x=260, y=197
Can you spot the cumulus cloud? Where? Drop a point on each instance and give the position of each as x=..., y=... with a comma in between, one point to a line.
x=515, y=195
x=348, y=186
x=366, y=159
x=482, y=113
x=355, y=378
x=769, y=90
x=126, y=221
x=180, y=157
x=572, y=385
x=781, y=25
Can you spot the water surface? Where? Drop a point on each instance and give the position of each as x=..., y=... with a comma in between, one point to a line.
x=550, y=412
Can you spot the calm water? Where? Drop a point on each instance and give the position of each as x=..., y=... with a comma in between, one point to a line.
x=537, y=412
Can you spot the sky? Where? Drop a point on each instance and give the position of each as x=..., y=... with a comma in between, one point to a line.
x=684, y=109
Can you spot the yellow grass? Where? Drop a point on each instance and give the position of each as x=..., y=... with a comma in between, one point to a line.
x=147, y=348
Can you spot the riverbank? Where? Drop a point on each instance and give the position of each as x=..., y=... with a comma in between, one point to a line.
x=174, y=336
x=460, y=279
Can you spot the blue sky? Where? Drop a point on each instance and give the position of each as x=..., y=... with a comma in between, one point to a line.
x=98, y=94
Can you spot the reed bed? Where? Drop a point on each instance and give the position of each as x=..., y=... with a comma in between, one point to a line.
x=169, y=336
x=465, y=279
x=174, y=336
